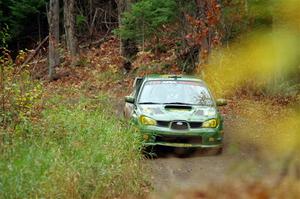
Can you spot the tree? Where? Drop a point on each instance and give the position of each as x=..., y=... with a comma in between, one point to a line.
x=53, y=18
x=146, y=19
x=128, y=48
x=96, y=16
x=69, y=24
x=205, y=32
x=2, y=19
x=26, y=21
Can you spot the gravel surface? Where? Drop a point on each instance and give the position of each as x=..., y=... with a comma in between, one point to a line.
x=170, y=172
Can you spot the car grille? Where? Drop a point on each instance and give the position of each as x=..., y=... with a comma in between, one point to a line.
x=175, y=126
x=178, y=125
x=179, y=139
x=194, y=125
x=163, y=123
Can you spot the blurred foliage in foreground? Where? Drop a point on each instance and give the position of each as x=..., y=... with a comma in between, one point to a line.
x=265, y=61
x=240, y=189
x=263, y=66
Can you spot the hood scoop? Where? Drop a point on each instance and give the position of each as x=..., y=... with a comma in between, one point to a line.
x=178, y=108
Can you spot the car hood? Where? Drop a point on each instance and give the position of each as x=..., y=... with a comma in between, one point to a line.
x=177, y=112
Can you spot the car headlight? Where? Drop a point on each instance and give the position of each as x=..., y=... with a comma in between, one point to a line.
x=147, y=120
x=213, y=123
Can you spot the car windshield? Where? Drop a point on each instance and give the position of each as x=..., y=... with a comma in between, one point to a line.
x=175, y=92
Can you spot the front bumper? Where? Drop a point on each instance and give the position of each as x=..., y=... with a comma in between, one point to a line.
x=204, y=137
x=184, y=145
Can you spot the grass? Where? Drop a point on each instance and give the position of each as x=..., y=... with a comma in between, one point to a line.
x=77, y=150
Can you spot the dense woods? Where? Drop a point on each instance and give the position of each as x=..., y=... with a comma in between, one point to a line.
x=191, y=24
x=65, y=66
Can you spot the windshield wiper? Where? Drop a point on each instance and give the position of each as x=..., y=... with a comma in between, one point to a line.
x=148, y=103
x=179, y=103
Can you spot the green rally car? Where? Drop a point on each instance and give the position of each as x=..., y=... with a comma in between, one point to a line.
x=176, y=111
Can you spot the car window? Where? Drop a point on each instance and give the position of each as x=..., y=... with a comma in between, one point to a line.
x=173, y=91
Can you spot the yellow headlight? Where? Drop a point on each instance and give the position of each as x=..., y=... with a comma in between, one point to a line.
x=147, y=120
x=213, y=123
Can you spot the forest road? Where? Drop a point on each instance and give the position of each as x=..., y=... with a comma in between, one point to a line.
x=168, y=171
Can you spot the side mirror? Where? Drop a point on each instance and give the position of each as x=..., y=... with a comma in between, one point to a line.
x=129, y=99
x=221, y=102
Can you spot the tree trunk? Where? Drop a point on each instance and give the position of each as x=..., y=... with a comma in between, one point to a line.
x=204, y=48
x=2, y=94
x=91, y=19
x=53, y=18
x=128, y=48
x=209, y=12
x=120, y=11
x=69, y=24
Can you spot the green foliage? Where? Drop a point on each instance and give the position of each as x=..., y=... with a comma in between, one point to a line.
x=146, y=19
x=19, y=92
x=23, y=8
x=22, y=11
x=4, y=36
x=240, y=16
x=261, y=13
x=235, y=19
x=77, y=150
x=80, y=20
x=3, y=18
x=21, y=16
x=1, y=12
x=285, y=88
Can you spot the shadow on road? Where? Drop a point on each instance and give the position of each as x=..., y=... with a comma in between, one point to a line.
x=170, y=152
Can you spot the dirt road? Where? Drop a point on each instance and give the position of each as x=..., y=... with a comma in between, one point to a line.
x=174, y=172
x=170, y=172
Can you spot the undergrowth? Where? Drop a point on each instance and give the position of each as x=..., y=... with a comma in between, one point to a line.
x=76, y=150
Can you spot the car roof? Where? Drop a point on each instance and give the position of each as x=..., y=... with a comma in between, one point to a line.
x=172, y=77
